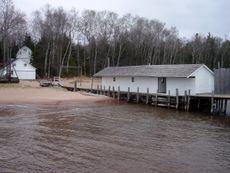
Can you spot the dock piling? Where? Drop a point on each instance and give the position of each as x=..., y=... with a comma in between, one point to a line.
x=75, y=86
x=168, y=99
x=104, y=93
x=147, y=96
x=177, y=98
x=212, y=103
x=225, y=106
x=113, y=93
x=128, y=95
x=118, y=94
x=138, y=96
x=97, y=89
x=156, y=98
x=109, y=92
x=185, y=100
x=100, y=89
x=188, y=101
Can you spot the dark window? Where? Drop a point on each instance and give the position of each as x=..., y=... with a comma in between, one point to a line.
x=114, y=79
x=25, y=65
x=163, y=80
x=133, y=80
x=12, y=72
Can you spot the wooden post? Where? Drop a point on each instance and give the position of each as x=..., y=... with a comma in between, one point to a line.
x=92, y=83
x=220, y=109
x=113, y=93
x=198, y=104
x=188, y=101
x=185, y=100
x=97, y=89
x=109, y=92
x=168, y=99
x=128, y=95
x=156, y=98
x=104, y=93
x=147, y=96
x=177, y=98
x=138, y=97
x=75, y=86
x=225, y=106
x=217, y=106
x=221, y=106
x=118, y=94
x=100, y=89
x=212, y=103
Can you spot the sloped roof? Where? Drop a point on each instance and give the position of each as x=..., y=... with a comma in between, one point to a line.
x=173, y=70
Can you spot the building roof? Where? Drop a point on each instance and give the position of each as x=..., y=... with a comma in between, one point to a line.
x=173, y=70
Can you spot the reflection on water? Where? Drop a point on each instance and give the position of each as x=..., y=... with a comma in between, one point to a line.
x=111, y=138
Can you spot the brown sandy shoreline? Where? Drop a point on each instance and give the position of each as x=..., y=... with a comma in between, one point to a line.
x=29, y=92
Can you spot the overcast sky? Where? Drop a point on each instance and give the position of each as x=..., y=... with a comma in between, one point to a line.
x=188, y=16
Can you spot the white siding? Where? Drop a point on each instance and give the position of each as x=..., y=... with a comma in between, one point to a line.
x=26, y=75
x=182, y=84
x=124, y=82
x=204, y=81
x=23, y=71
x=24, y=54
x=149, y=82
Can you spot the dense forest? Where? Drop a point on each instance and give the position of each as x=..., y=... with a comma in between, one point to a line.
x=69, y=43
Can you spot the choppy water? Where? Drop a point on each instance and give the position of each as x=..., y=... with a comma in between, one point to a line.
x=114, y=138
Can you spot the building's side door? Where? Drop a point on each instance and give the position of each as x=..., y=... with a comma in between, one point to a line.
x=162, y=85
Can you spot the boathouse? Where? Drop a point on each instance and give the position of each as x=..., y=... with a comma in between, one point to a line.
x=20, y=67
x=193, y=78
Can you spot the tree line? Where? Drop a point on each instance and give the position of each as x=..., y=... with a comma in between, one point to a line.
x=69, y=43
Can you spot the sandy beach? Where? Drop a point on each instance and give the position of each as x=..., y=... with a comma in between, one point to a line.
x=31, y=92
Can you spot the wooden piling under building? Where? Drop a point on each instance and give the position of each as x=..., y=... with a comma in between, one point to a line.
x=215, y=104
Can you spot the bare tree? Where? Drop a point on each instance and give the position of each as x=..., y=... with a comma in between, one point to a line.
x=52, y=24
x=12, y=27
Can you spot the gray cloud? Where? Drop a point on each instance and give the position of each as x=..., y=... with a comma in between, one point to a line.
x=189, y=16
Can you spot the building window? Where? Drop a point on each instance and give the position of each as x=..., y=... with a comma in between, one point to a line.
x=133, y=80
x=163, y=80
x=114, y=79
x=12, y=72
x=25, y=65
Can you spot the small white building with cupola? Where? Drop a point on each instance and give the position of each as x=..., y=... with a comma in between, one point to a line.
x=20, y=67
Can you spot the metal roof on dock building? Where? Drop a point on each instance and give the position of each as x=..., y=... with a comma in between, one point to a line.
x=173, y=70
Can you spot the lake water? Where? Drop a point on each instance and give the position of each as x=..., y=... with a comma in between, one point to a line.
x=111, y=137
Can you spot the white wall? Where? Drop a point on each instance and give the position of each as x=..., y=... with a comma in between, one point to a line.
x=182, y=84
x=149, y=82
x=204, y=81
x=124, y=82
x=27, y=72
x=28, y=75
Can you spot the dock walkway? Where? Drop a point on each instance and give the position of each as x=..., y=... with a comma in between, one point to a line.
x=215, y=104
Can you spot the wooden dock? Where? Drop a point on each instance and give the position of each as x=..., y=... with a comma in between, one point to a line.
x=7, y=80
x=215, y=104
